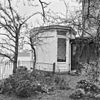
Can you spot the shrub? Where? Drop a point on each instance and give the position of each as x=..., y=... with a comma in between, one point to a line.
x=93, y=72
x=24, y=88
x=21, y=74
x=61, y=83
x=20, y=81
x=57, y=79
x=24, y=83
x=5, y=86
x=78, y=94
x=85, y=89
x=21, y=69
x=43, y=77
x=88, y=87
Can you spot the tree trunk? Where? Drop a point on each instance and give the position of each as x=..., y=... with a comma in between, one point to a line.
x=16, y=51
x=15, y=59
x=34, y=63
x=34, y=51
x=88, y=54
x=83, y=16
x=14, y=67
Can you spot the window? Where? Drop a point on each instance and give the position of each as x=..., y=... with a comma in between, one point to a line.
x=61, y=50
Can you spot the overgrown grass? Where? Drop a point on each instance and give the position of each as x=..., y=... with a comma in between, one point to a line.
x=56, y=87
x=25, y=83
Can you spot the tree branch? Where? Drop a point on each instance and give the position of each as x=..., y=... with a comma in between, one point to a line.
x=30, y=17
x=4, y=26
x=5, y=12
x=7, y=23
x=7, y=48
x=11, y=10
x=7, y=43
x=8, y=37
x=43, y=5
x=6, y=55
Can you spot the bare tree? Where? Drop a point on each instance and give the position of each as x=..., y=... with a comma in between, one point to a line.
x=11, y=24
x=33, y=40
x=85, y=21
x=91, y=21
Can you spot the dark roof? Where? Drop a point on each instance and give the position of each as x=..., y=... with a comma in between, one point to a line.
x=50, y=27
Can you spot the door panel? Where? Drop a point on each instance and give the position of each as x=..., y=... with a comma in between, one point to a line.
x=73, y=57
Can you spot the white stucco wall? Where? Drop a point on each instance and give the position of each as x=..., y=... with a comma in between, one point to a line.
x=47, y=51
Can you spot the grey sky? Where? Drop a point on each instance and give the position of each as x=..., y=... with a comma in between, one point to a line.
x=55, y=5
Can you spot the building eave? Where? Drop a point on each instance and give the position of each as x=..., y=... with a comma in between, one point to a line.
x=51, y=27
